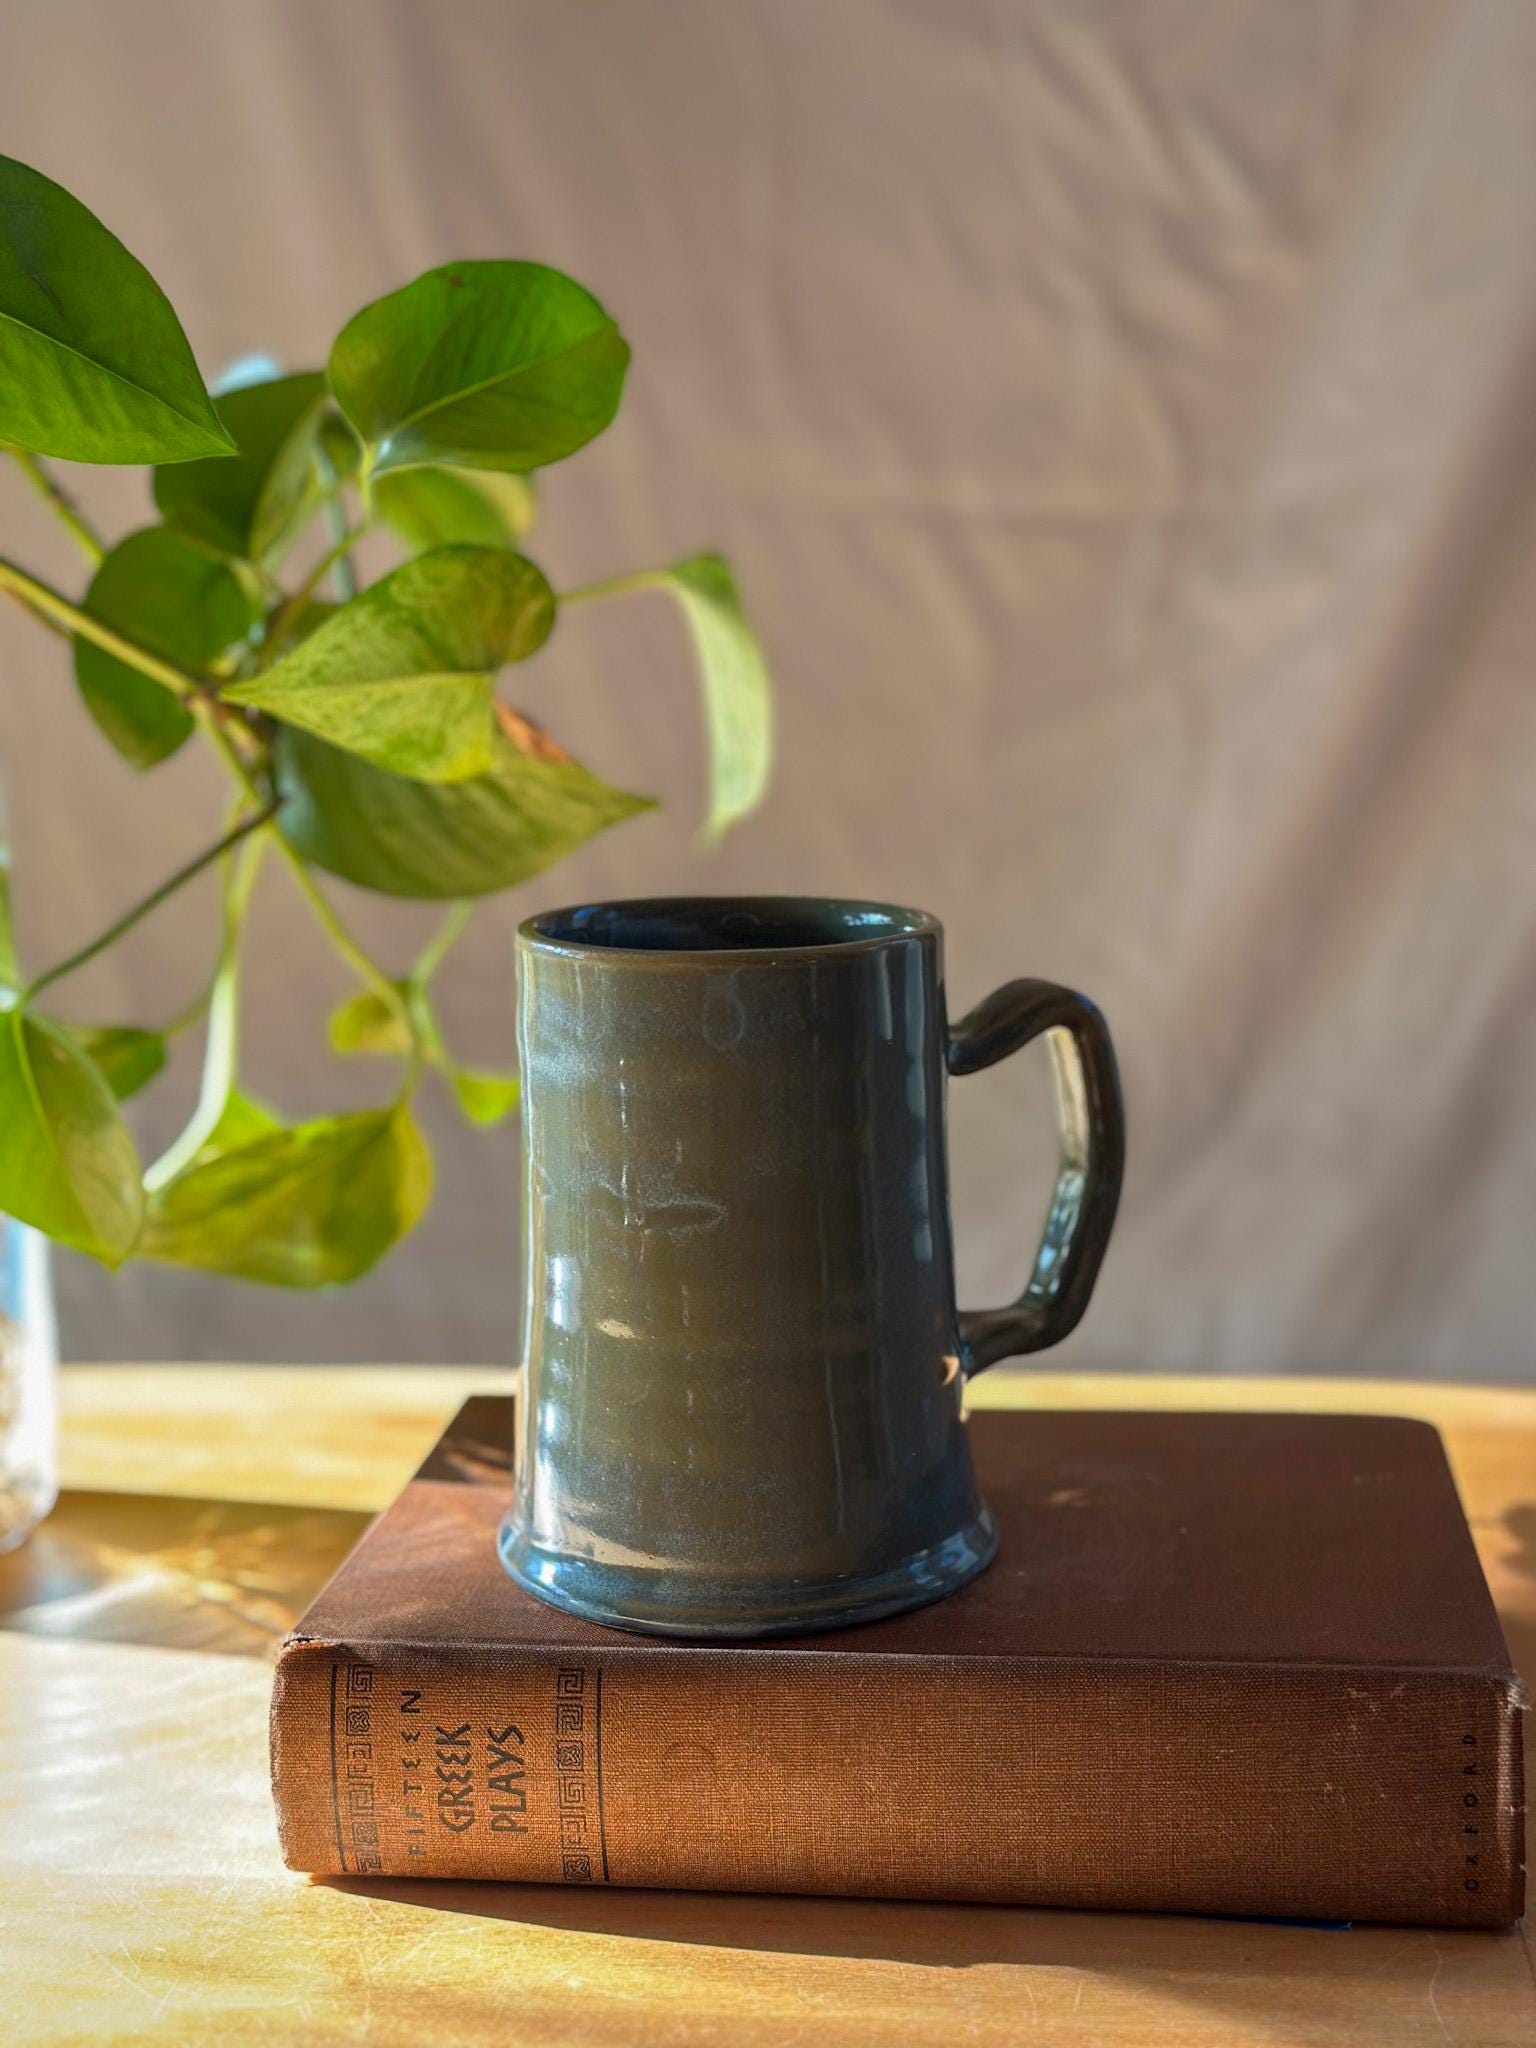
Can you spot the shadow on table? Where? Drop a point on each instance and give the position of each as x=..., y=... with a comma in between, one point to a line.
x=948, y=1936
x=1092, y=1975
x=230, y=1576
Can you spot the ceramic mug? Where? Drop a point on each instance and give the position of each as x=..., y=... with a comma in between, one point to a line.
x=741, y=1396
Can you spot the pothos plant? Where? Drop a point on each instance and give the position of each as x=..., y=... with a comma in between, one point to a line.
x=359, y=727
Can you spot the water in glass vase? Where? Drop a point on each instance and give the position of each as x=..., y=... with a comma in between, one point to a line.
x=28, y=1383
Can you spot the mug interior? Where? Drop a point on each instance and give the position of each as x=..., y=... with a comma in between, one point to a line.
x=725, y=924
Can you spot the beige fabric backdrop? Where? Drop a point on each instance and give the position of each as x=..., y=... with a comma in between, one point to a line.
x=1122, y=418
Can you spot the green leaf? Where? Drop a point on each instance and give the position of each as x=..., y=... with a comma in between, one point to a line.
x=68, y=1165
x=252, y=506
x=94, y=366
x=488, y=365
x=484, y=1098
x=339, y=447
x=365, y=1023
x=242, y=1120
x=432, y=508
x=126, y=1057
x=309, y=618
x=311, y=1205
x=402, y=674
x=738, y=693
x=175, y=599
x=441, y=840
x=514, y=496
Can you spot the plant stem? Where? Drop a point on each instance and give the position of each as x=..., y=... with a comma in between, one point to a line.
x=360, y=962
x=367, y=970
x=150, y=902
x=334, y=512
x=39, y=597
x=233, y=759
x=221, y=1049
x=63, y=505
x=336, y=521
x=616, y=586
x=197, y=1009
x=435, y=951
x=192, y=1014
x=293, y=604
x=41, y=618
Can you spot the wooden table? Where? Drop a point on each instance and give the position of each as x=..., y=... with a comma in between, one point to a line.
x=143, y=1900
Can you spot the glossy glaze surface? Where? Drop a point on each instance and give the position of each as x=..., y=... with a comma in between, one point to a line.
x=743, y=1364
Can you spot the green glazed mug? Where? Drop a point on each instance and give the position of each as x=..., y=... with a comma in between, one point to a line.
x=741, y=1385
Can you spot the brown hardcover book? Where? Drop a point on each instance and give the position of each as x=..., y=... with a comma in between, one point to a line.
x=1237, y=1664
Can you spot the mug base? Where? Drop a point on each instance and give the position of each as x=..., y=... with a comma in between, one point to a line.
x=662, y=1603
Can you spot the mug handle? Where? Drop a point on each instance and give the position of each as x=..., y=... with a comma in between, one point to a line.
x=1091, y=1119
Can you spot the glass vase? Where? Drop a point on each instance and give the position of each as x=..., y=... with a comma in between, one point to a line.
x=29, y=1358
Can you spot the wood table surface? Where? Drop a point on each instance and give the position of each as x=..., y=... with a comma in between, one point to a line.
x=143, y=1901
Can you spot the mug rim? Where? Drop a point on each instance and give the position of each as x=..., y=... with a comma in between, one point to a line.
x=902, y=922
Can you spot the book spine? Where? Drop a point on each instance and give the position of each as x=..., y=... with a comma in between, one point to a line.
x=1314, y=1792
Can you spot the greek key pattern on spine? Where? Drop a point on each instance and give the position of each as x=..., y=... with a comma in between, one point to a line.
x=358, y=1817
x=578, y=1710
